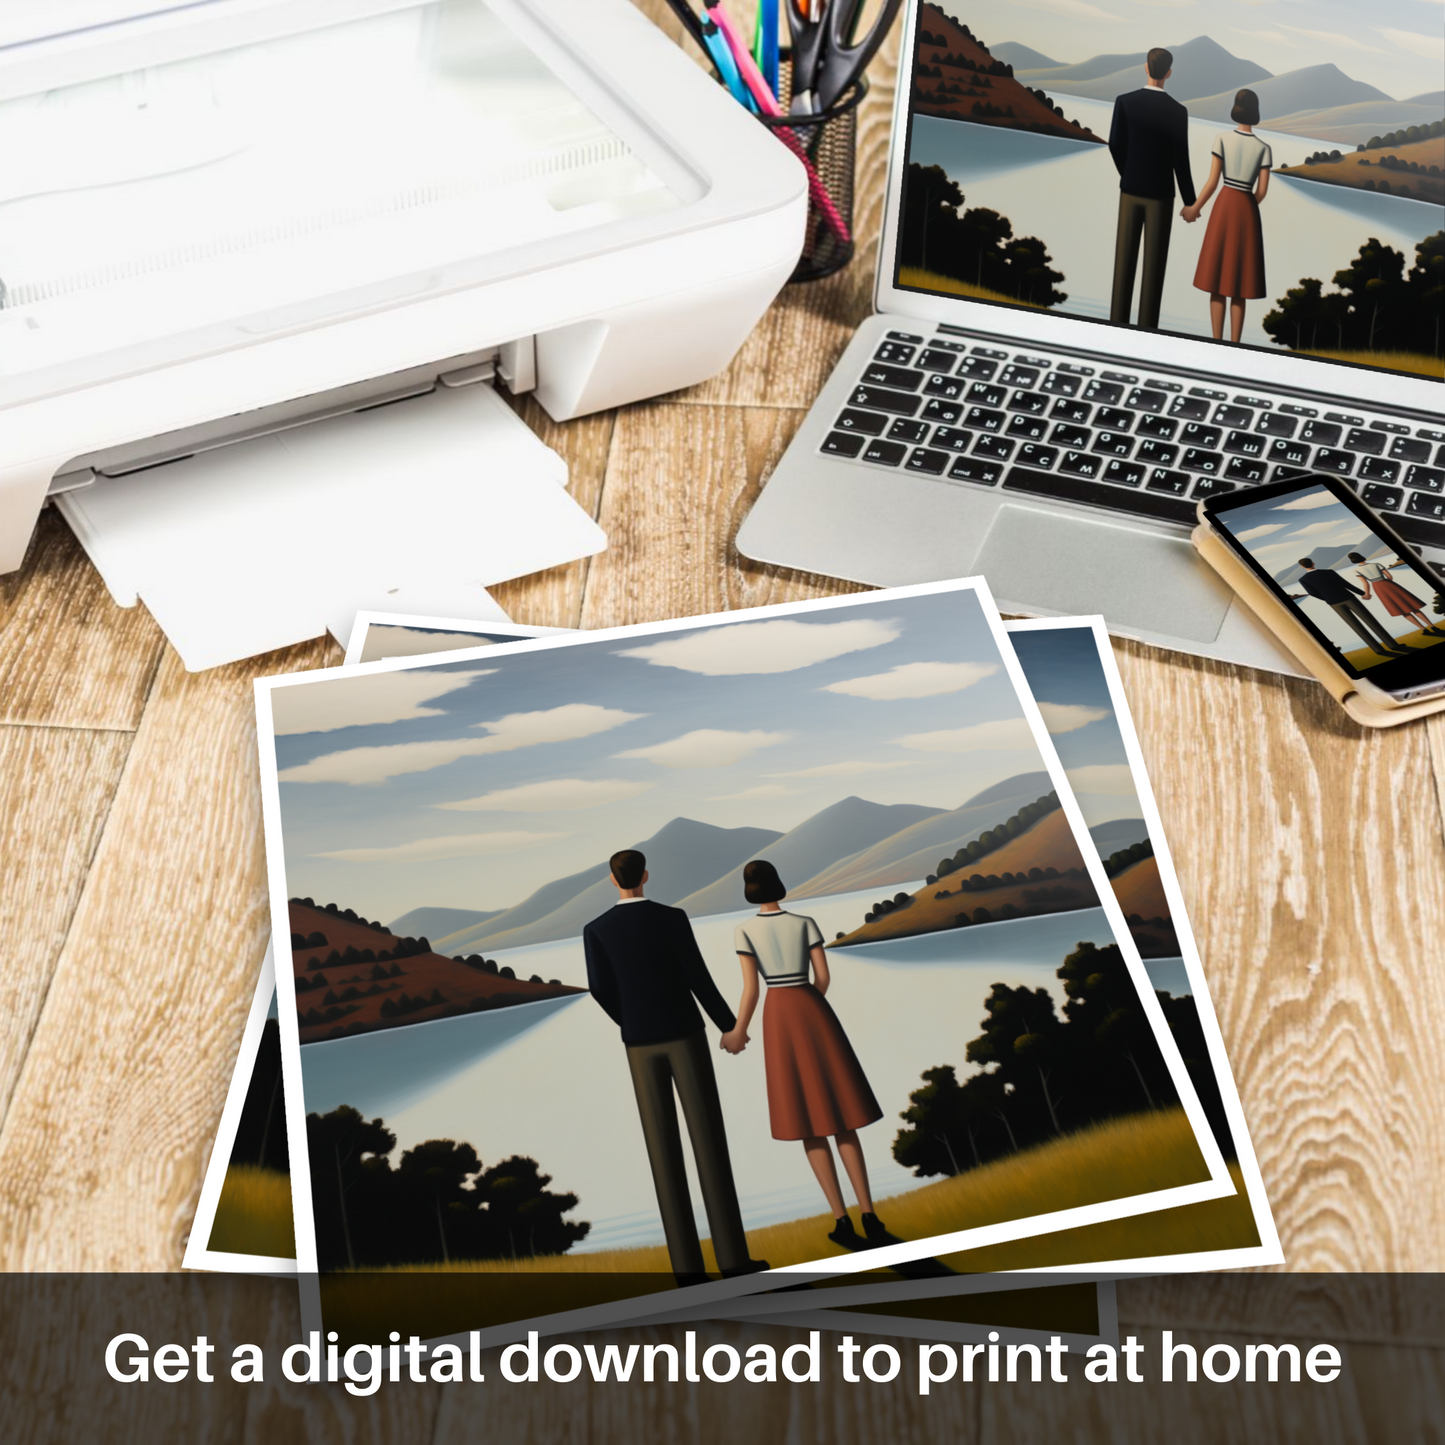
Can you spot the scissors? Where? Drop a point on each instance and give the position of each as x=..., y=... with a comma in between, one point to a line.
x=827, y=56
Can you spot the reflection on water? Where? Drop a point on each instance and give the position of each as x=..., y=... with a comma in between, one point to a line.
x=561, y=1093
x=1066, y=193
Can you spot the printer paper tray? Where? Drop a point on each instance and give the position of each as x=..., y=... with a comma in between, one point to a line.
x=414, y=507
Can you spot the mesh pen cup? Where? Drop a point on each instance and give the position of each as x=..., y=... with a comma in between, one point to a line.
x=827, y=144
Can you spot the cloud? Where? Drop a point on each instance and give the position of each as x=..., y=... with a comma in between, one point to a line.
x=706, y=748
x=915, y=679
x=350, y=702
x=845, y=770
x=1333, y=37
x=1102, y=778
x=765, y=647
x=1068, y=717
x=550, y=796
x=1429, y=47
x=763, y=790
x=1004, y=733
x=516, y=730
x=1308, y=503
x=1263, y=531
x=1316, y=528
x=430, y=850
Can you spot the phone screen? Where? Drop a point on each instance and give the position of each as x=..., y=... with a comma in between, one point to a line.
x=1366, y=596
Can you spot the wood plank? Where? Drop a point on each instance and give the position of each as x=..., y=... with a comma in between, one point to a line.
x=76, y=659
x=679, y=483
x=554, y=598
x=1317, y=894
x=56, y=786
x=115, y=1109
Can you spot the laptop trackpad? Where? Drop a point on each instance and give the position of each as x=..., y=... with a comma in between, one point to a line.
x=1152, y=584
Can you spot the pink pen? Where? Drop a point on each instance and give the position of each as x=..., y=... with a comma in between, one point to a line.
x=768, y=105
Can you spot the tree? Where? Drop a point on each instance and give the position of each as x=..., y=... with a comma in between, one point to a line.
x=929, y=191
x=1020, y=1038
x=339, y=1144
x=436, y=1172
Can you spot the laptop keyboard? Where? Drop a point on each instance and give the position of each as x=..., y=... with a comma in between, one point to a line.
x=1144, y=444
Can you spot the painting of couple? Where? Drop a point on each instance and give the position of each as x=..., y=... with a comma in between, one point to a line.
x=645, y=969
x=1149, y=142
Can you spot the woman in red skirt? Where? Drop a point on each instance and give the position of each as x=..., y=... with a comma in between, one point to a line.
x=1398, y=602
x=816, y=1087
x=1231, y=261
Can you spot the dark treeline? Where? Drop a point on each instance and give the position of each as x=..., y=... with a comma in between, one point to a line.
x=1116, y=863
x=436, y=1204
x=1377, y=305
x=1041, y=1075
x=349, y=914
x=261, y=1133
x=974, y=245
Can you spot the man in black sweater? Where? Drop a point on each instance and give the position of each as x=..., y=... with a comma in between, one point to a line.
x=1331, y=588
x=1149, y=141
x=645, y=969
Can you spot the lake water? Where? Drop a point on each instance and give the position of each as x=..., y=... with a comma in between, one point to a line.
x=561, y=1093
x=1066, y=193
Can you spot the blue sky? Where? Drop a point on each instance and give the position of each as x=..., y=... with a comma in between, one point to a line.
x=1067, y=680
x=1394, y=45
x=469, y=784
x=1279, y=531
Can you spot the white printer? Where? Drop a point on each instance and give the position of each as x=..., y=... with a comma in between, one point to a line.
x=233, y=231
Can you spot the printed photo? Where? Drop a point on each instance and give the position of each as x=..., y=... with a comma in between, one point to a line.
x=451, y=1080
x=1271, y=179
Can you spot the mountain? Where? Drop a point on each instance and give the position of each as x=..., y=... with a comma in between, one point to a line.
x=1121, y=833
x=837, y=832
x=547, y=899
x=1353, y=125
x=1021, y=57
x=1321, y=557
x=683, y=857
x=436, y=922
x=914, y=852
x=1435, y=99
x=1202, y=67
x=1313, y=87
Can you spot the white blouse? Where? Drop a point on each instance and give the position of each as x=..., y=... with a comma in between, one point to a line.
x=781, y=943
x=1243, y=157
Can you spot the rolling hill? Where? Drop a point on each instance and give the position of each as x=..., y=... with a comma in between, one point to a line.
x=348, y=996
x=1049, y=843
x=1386, y=168
x=1022, y=57
x=682, y=857
x=1119, y=833
x=914, y=852
x=1313, y=87
x=838, y=832
x=1140, y=891
x=1352, y=125
x=1202, y=68
x=436, y=922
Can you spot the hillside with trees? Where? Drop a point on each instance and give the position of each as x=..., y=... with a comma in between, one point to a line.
x=1040, y=1075
x=1028, y=864
x=955, y=76
x=436, y=1204
x=1408, y=163
x=354, y=976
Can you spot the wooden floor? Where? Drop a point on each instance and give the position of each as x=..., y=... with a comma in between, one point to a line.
x=1311, y=854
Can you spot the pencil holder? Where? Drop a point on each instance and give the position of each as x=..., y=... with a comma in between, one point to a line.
x=826, y=143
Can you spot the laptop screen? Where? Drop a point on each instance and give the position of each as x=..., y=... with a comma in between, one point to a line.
x=1053, y=145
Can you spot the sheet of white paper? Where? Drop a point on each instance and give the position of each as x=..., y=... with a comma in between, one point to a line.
x=413, y=507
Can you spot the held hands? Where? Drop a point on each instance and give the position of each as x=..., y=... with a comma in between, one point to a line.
x=1189, y=214
x=733, y=1042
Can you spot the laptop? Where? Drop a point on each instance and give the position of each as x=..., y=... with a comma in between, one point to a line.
x=999, y=415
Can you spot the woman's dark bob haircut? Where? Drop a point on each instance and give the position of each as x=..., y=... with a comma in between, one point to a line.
x=1246, y=108
x=761, y=883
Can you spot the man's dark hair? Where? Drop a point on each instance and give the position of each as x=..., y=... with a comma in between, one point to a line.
x=1303, y=561
x=1159, y=62
x=627, y=867
x=1246, y=108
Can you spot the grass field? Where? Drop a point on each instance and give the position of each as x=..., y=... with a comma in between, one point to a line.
x=253, y=1215
x=1389, y=360
x=1364, y=659
x=1137, y=1154
x=951, y=286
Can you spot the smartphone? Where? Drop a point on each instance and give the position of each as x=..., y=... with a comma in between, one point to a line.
x=1364, y=594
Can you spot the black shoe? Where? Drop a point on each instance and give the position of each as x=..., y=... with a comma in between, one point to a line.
x=753, y=1266
x=876, y=1233
x=845, y=1236
x=684, y=1280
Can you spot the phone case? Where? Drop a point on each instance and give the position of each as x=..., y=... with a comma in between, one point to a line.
x=1343, y=688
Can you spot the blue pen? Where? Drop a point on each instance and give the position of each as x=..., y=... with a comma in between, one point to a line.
x=768, y=50
x=727, y=67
